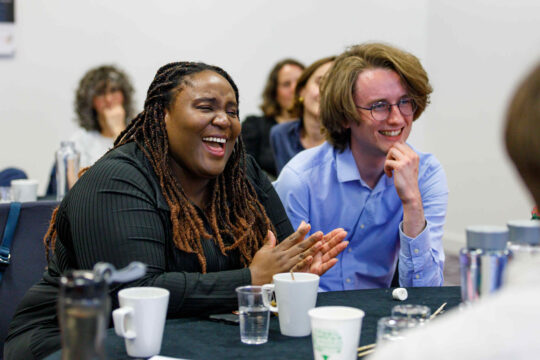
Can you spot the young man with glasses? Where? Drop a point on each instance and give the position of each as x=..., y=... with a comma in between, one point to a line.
x=388, y=196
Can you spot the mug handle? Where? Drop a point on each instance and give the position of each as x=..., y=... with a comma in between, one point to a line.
x=119, y=317
x=268, y=289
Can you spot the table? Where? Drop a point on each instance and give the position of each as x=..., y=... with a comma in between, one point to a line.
x=205, y=339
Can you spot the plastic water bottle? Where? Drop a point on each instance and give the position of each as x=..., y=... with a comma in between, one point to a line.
x=67, y=168
x=523, y=238
x=83, y=312
x=483, y=261
x=84, y=308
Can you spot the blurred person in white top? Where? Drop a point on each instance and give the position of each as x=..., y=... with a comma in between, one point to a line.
x=103, y=104
x=505, y=324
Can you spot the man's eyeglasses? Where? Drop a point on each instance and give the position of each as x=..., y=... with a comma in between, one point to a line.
x=381, y=110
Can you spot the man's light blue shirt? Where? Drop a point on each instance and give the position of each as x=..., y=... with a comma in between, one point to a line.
x=323, y=187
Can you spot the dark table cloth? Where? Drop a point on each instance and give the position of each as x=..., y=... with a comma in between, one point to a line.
x=205, y=339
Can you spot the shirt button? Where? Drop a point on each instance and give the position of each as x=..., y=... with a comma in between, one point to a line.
x=362, y=226
x=349, y=250
x=416, y=251
x=417, y=276
x=348, y=280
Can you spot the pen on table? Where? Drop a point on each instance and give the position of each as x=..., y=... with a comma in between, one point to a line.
x=365, y=350
x=364, y=353
x=437, y=312
x=366, y=347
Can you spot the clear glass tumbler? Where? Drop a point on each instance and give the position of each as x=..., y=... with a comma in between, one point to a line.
x=394, y=328
x=418, y=312
x=254, y=315
x=5, y=194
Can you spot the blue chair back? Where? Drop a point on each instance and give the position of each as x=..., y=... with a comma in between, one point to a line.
x=27, y=262
x=9, y=174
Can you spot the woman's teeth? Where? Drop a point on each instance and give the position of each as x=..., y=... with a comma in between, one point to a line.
x=215, y=139
x=390, y=133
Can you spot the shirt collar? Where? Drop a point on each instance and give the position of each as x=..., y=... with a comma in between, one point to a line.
x=348, y=171
x=346, y=166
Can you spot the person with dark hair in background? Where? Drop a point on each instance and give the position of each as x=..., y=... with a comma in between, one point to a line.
x=288, y=139
x=390, y=197
x=278, y=97
x=178, y=193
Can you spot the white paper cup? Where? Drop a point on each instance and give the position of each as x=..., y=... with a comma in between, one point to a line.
x=335, y=332
x=140, y=319
x=294, y=298
x=23, y=190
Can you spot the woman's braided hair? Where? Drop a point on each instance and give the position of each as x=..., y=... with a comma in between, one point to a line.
x=233, y=210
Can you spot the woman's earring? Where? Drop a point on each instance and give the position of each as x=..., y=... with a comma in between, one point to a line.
x=300, y=99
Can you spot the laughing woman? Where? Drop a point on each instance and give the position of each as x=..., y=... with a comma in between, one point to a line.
x=178, y=193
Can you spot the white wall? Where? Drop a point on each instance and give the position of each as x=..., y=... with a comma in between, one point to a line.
x=473, y=50
x=477, y=52
x=58, y=40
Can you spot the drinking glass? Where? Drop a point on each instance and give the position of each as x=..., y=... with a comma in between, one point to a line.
x=5, y=194
x=394, y=328
x=254, y=315
x=418, y=312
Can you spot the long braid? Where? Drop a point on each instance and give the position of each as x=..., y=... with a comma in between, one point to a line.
x=234, y=209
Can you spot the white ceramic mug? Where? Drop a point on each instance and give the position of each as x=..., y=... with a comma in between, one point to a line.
x=294, y=298
x=336, y=332
x=140, y=319
x=23, y=190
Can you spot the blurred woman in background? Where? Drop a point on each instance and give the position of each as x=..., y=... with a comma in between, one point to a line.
x=278, y=98
x=288, y=139
x=104, y=105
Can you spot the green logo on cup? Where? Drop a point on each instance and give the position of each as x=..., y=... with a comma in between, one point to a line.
x=327, y=342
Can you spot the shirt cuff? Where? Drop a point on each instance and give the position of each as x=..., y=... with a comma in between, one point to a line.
x=414, y=247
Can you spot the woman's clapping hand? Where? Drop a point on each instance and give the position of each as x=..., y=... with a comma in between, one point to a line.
x=316, y=254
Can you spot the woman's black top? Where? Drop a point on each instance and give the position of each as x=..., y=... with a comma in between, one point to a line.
x=116, y=213
x=256, y=136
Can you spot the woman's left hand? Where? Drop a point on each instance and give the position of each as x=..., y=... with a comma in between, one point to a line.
x=325, y=258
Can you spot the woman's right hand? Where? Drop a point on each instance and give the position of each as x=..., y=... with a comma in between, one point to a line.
x=114, y=120
x=273, y=259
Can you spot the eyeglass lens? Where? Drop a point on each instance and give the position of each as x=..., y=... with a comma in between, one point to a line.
x=381, y=111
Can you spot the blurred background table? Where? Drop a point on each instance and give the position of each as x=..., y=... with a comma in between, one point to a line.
x=205, y=339
x=27, y=257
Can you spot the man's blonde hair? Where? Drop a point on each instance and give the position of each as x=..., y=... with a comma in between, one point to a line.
x=337, y=103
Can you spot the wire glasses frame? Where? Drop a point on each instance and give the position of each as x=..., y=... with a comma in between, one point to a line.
x=380, y=111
